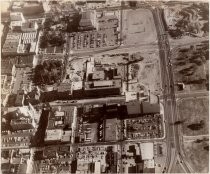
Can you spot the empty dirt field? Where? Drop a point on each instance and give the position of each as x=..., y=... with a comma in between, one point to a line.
x=194, y=111
x=138, y=27
x=197, y=155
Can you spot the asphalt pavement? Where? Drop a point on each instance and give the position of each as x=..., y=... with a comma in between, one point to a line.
x=169, y=97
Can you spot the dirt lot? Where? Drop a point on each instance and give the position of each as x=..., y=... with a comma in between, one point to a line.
x=192, y=111
x=138, y=27
x=148, y=77
x=75, y=69
x=187, y=19
x=197, y=156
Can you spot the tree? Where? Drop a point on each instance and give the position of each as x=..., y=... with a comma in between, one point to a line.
x=206, y=148
x=196, y=126
x=43, y=42
x=179, y=122
x=73, y=24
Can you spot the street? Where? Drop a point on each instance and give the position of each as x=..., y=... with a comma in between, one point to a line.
x=106, y=100
x=169, y=97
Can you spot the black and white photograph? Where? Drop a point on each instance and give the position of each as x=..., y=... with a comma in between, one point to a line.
x=104, y=86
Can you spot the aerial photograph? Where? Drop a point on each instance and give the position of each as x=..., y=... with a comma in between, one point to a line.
x=104, y=86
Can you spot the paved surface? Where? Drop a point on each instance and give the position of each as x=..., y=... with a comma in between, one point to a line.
x=169, y=98
x=106, y=100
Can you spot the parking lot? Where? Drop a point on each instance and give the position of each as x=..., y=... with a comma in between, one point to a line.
x=92, y=39
x=145, y=127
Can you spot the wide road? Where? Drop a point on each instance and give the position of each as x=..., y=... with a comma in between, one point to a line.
x=191, y=94
x=105, y=100
x=169, y=98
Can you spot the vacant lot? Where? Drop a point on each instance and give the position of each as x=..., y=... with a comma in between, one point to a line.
x=195, y=114
x=150, y=76
x=189, y=66
x=147, y=73
x=138, y=27
x=197, y=155
x=75, y=69
x=187, y=19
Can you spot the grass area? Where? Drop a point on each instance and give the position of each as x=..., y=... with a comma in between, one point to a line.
x=197, y=156
x=189, y=66
x=194, y=111
x=138, y=27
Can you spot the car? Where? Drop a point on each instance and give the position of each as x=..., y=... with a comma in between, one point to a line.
x=74, y=101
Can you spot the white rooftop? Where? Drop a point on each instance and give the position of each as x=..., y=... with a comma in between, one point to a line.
x=147, y=151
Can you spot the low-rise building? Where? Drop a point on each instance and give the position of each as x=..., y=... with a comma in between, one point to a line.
x=130, y=96
x=56, y=159
x=97, y=159
x=142, y=108
x=147, y=151
x=16, y=25
x=20, y=120
x=106, y=22
x=133, y=108
x=61, y=124
x=77, y=85
x=147, y=154
x=149, y=108
x=63, y=87
x=88, y=133
x=53, y=135
x=101, y=79
x=12, y=41
x=5, y=84
x=105, y=19
x=17, y=160
x=19, y=101
x=31, y=25
x=21, y=78
x=28, y=9
x=17, y=16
